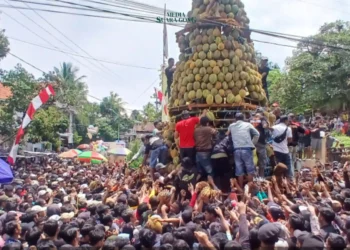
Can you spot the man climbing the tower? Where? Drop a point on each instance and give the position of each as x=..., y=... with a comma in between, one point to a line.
x=264, y=71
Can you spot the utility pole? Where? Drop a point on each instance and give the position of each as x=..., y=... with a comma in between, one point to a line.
x=116, y=116
x=72, y=111
x=70, y=130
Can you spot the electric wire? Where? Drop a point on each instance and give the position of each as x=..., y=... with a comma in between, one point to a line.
x=87, y=57
x=42, y=71
x=98, y=64
x=28, y=63
x=44, y=39
x=143, y=92
x=75, y=59
x=74, y=14
x=124, y=7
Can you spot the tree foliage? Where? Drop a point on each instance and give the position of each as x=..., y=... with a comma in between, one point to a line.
x=4, y=45
x=150, y=112
x=318, y=74
x=71, y=88
x=24, y=87
x=46, y=124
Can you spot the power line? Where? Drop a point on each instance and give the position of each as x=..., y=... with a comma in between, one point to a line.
x=132, y=17
x=72, y=13
x=278, y=44
x=123, y=6
x=126, y=65
x=102, y=66
x=311, y=40
x=81, y=7
x=22, y=60
x=43, y=38
x=106, y=11
x=47, y=40
x=150, y=86
x=75, y=54
x=273, y=34
x=147, y=18
x=31, y=65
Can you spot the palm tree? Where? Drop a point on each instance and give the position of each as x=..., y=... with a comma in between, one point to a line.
x=72, y=89
x=113, y=104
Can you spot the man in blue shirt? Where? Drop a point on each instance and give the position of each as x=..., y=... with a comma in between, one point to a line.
x=244, y=137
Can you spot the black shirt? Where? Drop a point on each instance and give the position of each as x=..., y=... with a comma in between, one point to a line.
x=169, y=75
x=224, y=146
x=261, y=129
x=264, y=70
x=296, y=129
x=153, y=146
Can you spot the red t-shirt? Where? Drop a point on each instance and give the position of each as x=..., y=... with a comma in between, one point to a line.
x=185, y=129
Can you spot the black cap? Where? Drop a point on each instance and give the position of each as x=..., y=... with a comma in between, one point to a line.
x=239, y=116
x=122, y=198
x=185, y=114
x=84, y=215
x=313, y=242
x=187, y=163
x=53, y=209
x=269, y=231
x=301, y=235
x=283, y=118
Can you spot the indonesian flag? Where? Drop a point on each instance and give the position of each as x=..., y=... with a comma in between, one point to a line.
x=163, y=101
x=34, y=105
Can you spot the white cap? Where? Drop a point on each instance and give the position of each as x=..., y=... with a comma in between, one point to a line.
x=60, y=179
x=55, y=217
x=38, y=208
x=65, y=174
x=67, y=216
x=42, y=192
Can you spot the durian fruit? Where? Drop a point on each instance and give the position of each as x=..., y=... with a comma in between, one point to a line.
x=210, y=115
x=200, y=185
x=216, y=65
x=208, y=193
x=176, y=160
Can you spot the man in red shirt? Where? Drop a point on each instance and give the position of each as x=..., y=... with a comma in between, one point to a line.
x=185, y=130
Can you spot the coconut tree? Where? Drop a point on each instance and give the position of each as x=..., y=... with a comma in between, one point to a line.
x=113, y=105
x=72, y=89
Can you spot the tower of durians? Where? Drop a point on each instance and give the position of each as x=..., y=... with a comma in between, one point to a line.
x=217, y=63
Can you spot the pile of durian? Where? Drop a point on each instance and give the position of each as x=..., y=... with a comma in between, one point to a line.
x=221, y=8
x=216, y=65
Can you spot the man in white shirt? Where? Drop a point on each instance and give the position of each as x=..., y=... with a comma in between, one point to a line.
x=282, y=135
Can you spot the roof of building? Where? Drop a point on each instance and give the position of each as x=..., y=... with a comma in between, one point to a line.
x=5, y=92
x=148, y=127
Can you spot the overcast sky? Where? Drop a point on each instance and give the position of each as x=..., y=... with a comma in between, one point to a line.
x=141, y=43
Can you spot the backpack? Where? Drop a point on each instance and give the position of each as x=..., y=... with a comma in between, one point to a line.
x=281, y=138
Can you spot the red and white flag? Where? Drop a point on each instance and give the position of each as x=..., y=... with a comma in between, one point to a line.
x=34, y=105
x=163, y=101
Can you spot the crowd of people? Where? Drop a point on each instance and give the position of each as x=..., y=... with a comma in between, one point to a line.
x=216, y=198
